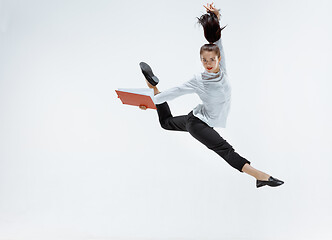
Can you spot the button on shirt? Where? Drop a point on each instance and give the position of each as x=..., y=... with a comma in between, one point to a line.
x=212, y=88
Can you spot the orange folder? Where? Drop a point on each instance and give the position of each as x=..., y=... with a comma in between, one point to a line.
x=135, y=99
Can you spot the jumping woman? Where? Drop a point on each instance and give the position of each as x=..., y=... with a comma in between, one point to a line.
x=214, y=90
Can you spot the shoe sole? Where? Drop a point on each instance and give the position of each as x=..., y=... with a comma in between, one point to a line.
x=148, y=74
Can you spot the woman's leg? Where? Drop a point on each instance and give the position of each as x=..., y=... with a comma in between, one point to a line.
x=206, y=135
x=166, y=119
x=255, y=173
x=211, y=139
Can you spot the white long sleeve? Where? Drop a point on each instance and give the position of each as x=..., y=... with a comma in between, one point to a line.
x=212, y=88
x=170, y=94
x=222, y=53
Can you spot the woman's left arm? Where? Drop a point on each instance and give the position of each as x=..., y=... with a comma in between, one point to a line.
x=222, y=55
x=211, y=8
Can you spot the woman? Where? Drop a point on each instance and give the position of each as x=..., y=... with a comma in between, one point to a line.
x=213, y=88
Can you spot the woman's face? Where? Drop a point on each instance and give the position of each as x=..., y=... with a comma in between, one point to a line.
x=210, y=61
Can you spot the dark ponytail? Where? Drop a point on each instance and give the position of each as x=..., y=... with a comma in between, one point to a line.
x=211, y=26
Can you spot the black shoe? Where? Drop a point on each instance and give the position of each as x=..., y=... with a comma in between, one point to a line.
x=272, y=182
x=148, y=74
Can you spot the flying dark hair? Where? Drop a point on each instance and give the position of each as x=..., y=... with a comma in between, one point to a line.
x=211, y=26
x=212, y=32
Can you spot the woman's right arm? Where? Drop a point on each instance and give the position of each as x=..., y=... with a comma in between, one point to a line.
x=170, y=94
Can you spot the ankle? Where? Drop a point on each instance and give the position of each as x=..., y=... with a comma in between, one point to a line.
x=155, y=90
x=263, y=177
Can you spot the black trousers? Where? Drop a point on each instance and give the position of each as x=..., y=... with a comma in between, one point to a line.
x=202, y=132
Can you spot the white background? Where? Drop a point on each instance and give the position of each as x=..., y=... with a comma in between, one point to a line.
x=75, y=163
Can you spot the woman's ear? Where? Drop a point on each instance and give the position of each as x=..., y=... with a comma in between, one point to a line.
x=219, y=58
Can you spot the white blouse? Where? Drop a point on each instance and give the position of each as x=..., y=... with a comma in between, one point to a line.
x=212, y=88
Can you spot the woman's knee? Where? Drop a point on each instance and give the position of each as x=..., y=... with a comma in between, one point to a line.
x=199, y=131
x=164, y=125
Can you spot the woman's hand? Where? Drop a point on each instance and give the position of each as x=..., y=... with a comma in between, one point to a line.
x=211, y=8
x=143, y=107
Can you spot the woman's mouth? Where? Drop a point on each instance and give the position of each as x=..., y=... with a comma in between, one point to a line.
x=209, y=68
